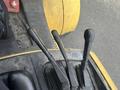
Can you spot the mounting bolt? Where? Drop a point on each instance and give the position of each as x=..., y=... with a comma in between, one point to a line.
x=13, y=3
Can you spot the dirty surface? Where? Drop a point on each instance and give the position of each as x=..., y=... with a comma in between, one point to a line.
x=104, y=17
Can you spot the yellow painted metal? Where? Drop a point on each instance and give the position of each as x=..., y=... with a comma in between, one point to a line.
x=103, y=71
x=62, y=15
x=54, y=14
x=71, y=15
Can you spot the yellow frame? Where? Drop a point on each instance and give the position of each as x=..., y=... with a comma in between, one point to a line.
x=62, y=15
x=103, y=71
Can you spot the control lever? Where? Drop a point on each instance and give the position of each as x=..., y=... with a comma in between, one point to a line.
x=89, y=37
x=60, y=74
x=81, y=69
x=70, y=67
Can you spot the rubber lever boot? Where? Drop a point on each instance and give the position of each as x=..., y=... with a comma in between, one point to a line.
x=20, y=80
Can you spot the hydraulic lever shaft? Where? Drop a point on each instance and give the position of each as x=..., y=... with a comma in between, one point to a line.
x=61, y=75
x=89, y=37
x=70, y=68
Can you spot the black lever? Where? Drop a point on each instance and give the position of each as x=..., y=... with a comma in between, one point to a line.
x=89, y=37
x=70, y=68
x=81, y=69
x=61, y=75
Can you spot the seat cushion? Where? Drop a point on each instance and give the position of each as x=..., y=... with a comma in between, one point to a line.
x=3, y=86
x=18, y=80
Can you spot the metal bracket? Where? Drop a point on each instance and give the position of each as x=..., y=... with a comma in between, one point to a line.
x=12, y=5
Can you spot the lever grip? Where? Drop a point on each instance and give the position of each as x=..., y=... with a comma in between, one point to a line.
x=89, y=37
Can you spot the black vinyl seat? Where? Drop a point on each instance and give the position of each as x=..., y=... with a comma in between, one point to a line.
x=3, y=86
x=17, y=80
